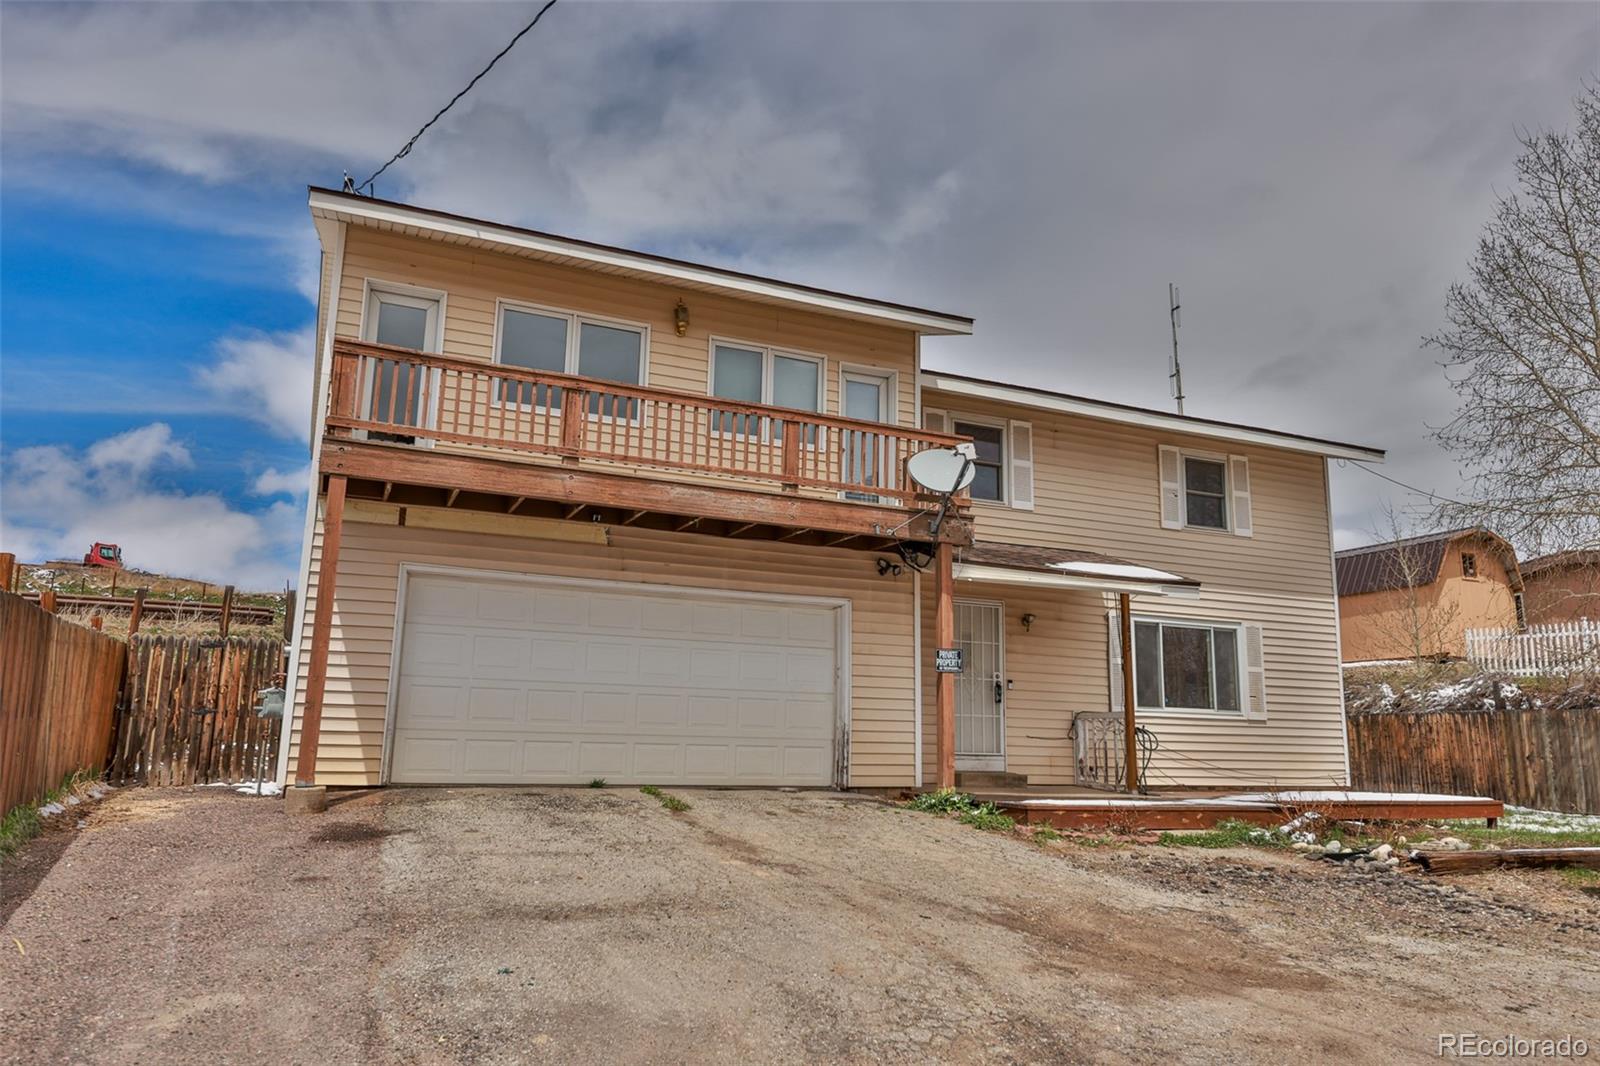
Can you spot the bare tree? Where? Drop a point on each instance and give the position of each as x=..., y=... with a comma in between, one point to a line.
x=1523, y=349
x=1419, y=620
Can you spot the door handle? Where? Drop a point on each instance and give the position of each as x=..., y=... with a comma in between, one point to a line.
x=999, y=692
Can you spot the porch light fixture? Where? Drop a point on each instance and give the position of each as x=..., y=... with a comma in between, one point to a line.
x=888, y=566
x=680, y=318
x=1027, y=622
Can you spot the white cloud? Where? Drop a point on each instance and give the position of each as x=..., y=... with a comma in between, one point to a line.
x=60, y=500
x=136, y=452
x=265, y=377
x=274, y=482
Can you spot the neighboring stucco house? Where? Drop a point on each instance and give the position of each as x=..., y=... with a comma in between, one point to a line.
x=1562, y=587
x=1417, y=597
x=592, y=513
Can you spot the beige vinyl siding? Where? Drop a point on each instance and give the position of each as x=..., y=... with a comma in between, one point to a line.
x=1056, y=668
x=475, y=280
x=1097, y=488
x=351, y=751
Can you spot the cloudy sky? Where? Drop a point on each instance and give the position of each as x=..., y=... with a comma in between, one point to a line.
x=1313, y=176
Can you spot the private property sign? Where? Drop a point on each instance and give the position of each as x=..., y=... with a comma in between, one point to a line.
x=947, y=660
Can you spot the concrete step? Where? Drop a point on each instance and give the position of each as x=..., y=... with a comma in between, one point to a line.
x=989, y=779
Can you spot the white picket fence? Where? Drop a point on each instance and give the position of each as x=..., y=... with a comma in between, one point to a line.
x=1561, y=648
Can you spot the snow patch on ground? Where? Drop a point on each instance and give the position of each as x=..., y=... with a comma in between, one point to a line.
x=248, y=788
x=1535, y=821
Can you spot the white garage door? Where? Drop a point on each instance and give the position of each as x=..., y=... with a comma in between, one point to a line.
x=507, y=681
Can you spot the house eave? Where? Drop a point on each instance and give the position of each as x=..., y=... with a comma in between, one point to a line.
x=1103, y=410
x=460, y=229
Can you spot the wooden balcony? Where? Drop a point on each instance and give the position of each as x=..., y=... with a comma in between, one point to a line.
x=526, y=435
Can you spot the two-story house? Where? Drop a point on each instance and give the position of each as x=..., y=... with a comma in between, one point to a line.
x=586, y=513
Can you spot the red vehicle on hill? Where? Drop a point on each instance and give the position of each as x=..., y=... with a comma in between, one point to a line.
x=104, y=555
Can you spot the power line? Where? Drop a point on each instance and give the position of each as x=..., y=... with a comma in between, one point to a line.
x=406, y=150
x=1412, y=488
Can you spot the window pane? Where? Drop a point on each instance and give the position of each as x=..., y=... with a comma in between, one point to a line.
x=609, y=353
x=1225, y=643
x=402, y=325
x=1186, y=666
x=863, y=399
x=737, y=374
x=986, y=483
x=988, y=439
x=1202, y=475
x=536, y=342
x=794, y=383
x=1207, y=511
x=1147, y=664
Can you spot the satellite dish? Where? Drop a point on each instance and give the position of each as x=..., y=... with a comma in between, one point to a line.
x=942, y=470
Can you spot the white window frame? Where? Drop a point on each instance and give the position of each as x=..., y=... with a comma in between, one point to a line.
x=891, y=389
x=575, y=323
x=769, y=354
x=1004, y=426
x=1184, y=455
x=1240, y=677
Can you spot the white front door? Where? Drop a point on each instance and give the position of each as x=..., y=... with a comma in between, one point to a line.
x=980, y=687
x=506, y=680
x=395, y=391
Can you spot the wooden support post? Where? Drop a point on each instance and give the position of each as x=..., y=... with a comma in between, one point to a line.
x=227, y=611
x=47, y=600
x=305, y=770
x=944, y=616
x=1130, y=739
x=136, y=615
x=8, y=571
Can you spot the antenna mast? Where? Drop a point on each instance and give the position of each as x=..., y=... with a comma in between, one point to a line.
x=1176, y=376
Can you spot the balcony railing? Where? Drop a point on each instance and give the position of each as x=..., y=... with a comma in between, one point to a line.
x=394, y=394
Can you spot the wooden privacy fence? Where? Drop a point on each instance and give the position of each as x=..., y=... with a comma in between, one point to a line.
x=1560, y=648
x=190, y=712
x=1544, y=758
x=58, y=699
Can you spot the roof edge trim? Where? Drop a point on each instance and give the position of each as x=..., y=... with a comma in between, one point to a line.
x=1109, y=411
x=367, y=208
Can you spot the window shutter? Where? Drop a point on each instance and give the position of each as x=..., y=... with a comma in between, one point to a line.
x=1022, y=465
x=1171, y=466
x=1255, y=674
x=1114, y=656
x=1239, y=482
x=936, y=420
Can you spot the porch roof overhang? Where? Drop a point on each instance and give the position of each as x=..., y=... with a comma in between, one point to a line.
x=1066, y=568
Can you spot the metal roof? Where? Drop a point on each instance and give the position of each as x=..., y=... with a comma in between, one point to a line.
x=1408, y=562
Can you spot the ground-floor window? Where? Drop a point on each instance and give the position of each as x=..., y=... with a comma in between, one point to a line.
x=1186, y=666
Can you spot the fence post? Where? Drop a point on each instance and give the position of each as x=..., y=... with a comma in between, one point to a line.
x=8, y=571
x=136, y=615
x=47, y=600
x=227, y=610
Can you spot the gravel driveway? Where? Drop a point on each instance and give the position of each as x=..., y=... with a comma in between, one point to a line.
x=546, y=925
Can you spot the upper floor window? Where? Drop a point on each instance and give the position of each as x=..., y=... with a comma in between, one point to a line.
x=1469, y=565
x=568, y=343
x=762, y=375
x=1205, y=488
x=1200, y=490
x=403, y=317
x=988, y=480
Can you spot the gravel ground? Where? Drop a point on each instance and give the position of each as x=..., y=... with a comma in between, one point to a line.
x=489, y=926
